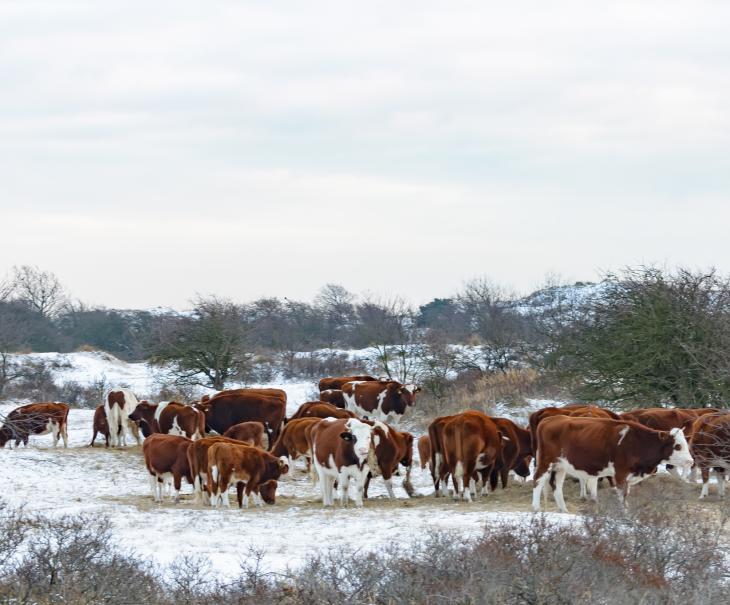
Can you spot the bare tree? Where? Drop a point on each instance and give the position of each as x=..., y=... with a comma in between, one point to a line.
x=337, y=305
x=41, y=289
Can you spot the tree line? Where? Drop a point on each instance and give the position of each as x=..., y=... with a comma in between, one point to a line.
x=643, y=335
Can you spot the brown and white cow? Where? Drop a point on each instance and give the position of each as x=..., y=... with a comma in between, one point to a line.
x=342, y=450
x=169, y=418
x=35, y=419
x=227, y=409
x=251, y=432
x=319, y=409
x=198, y=463
x=118, y=405
x=590, y=448
x=333, y=396
x=394, y=448
x=471, y=441
x=336, y=382
x=230, y=463
x=379, y=400
x=710, y=448
x=293, y=442
x=166, y=457
x=100, y=425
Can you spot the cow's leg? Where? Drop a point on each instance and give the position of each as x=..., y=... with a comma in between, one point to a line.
x=344, y=488
x=436, y=473
x=64, y=434
x=359, y=486
x=558, y=492
x=593, y=488
x=326, y=483
x=705, y=482
x=55, y=432
x=135, y=431
x=539, y=481
x=153, y=486
x=583, y=491
x=239, y=494
x=388, y=486
x=407, y=485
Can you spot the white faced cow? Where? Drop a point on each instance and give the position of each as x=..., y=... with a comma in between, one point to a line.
x=342, y=450
x=386, y=401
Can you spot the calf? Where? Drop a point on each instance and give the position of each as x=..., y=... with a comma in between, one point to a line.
x=319, y=409
x=169, y=418
x=35, y=419
x=292, y=441
x=251, y=433
x=259, y=470
x=166, y=457
x=118, y=404
x=710, y=447
x=342, y=450
x=471, y=442
x=394, y=448
x=100, y=425
x=589, y=448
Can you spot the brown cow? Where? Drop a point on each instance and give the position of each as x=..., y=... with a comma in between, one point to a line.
x=334, y=397
x=710, y=447
x=169, y=418
x=118, y=404
x=336, y=382
x=516, y=450
x=438, y=462
x=392, y=448
x=259, y=470
x=166, y=456
x=662, y=419
x=269, y=392
x=342, y=450
x=35, y=419
x=292, y=441
x=198, y=462
x=471, y=441
x=225, y=410
x=251, y=433
x=319, y=409
x=100, y=425
x=589, y=448
x=379, y=400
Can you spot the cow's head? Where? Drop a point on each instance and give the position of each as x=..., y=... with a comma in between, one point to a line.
x=145, y=411
x=283, y=465
x=267, y=491
x=360, y=435
x=676, y=450
x=407, y=394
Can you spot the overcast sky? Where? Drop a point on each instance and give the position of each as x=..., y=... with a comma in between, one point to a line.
x=150, y=151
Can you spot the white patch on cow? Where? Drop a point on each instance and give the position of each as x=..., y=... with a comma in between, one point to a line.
x=214, y=473
x=158, y=412
x=622, y=433
x=328, y=419
x=682, y=456
x=175, y=428
x=411, y=388
x=363, y=437
x=381, y=425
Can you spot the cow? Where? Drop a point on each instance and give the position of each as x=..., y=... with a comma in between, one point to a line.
x=379, y=400
x=100, y=425
x=225, y=410
x=259, y=470
x=166, y=457
x=118, y=404
x=269, y=392
x=471, y=441
x=169, y=418
x=342, y=449
x=424, y=450
x=336, y=382
x=198, y=462
x=516, y=452
x=394, y=448
x=589, y=448
x=35, y=419
x=333, y=396
x=251, y=433
x=292, y=441
x=320, y=409
x=439, y=470
x=710, y=447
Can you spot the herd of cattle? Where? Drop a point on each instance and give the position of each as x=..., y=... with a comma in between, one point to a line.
x=242, y=437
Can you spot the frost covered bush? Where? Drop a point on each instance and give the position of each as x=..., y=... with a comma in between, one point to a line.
x=646, y=554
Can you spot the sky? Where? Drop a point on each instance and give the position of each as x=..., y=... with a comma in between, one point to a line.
x=154, y=151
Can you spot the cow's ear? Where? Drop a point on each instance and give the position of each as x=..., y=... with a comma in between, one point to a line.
x=346, y=436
